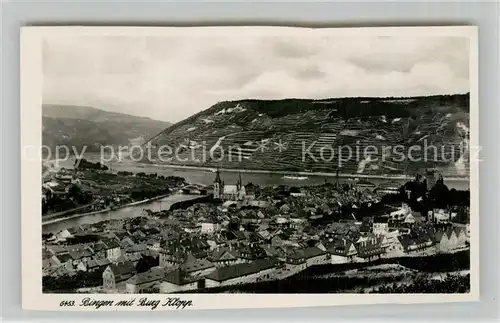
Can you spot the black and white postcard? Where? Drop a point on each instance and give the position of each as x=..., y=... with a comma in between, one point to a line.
x=162, y=166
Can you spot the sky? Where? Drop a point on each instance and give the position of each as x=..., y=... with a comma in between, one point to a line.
x=172, y=77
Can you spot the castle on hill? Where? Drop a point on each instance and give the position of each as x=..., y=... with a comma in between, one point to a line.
x=228, y=192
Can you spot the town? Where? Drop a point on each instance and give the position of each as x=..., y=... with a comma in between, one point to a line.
x=244, y=233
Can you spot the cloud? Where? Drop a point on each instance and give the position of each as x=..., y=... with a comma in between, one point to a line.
x=172, y=77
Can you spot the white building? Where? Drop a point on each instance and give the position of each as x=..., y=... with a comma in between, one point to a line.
x=210, y=226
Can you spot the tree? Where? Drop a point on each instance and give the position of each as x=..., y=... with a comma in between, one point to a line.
x=74, y=192
x=146, y=263
x=439, y=194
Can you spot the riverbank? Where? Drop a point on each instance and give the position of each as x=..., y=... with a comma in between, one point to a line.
x=130, y=211
x=295, y=173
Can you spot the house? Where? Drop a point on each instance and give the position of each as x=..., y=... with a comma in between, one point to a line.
x=113, y=249
x=224, y=257
x=64, y=234
x=70, y=233
x=277, y=240
x=341, y=251
x=216, y=242
x=134, y=258
x=282, y=219
x=418, y=217
x=210, y=226
x=409, y=218
x=369, y=249
x=440, y=216
x=117, y=273
x=452, y=239
x=415, y=242
x=240, y=273
x=320, y=245
x=315, y=256
x=198, y=247
x=177, y=281
x=65, y=269
x=273, y=252
x=97, y=264
x=99, y=249
x=304, y=257
x=138, y=236
x=255, y=203
x=62, y=259
x=80, y=257
x=128, y=240
x=264, y=235
x=227, y=205
x=171, y=255
x=57, y=249
x=296, y=192
x=461, y=236
x=395, y=247
x=380, y=225
x=285, y=209
x=153, y=244
x=49, y=266
x=146, y=280
x=366, y=225
x=137, y=250
x=250, y=252
x=401, y=213
x=192, y=228
x=197, y=267
x=442, y=241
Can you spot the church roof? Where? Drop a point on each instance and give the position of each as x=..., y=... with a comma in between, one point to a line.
x=233, y=189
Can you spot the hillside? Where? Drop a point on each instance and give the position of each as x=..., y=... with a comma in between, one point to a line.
x=86, y=126
x=357, y=123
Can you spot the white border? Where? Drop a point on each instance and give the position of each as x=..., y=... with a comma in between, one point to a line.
x=31, y=102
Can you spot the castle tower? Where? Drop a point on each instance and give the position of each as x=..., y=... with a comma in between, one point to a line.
x=218, y=185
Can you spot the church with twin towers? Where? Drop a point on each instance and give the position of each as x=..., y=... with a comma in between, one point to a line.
x=228, y=192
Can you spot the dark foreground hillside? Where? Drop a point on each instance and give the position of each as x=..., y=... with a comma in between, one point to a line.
x=403, y=275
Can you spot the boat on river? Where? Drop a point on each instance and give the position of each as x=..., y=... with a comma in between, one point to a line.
x=296, y=178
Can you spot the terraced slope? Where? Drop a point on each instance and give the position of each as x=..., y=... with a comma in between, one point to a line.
x=355, y=135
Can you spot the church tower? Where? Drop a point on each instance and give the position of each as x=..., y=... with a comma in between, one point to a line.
x=238, y=183
x=218, y=185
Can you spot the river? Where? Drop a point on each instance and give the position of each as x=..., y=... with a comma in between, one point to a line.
x=206, y=177
x=126, y=212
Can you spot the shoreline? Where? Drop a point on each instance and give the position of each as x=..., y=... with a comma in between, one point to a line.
x=281, y=172
x=74, y=216
x=277, y=172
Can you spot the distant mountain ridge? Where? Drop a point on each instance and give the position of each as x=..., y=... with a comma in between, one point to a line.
x=441, y=120
x=80, y=126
